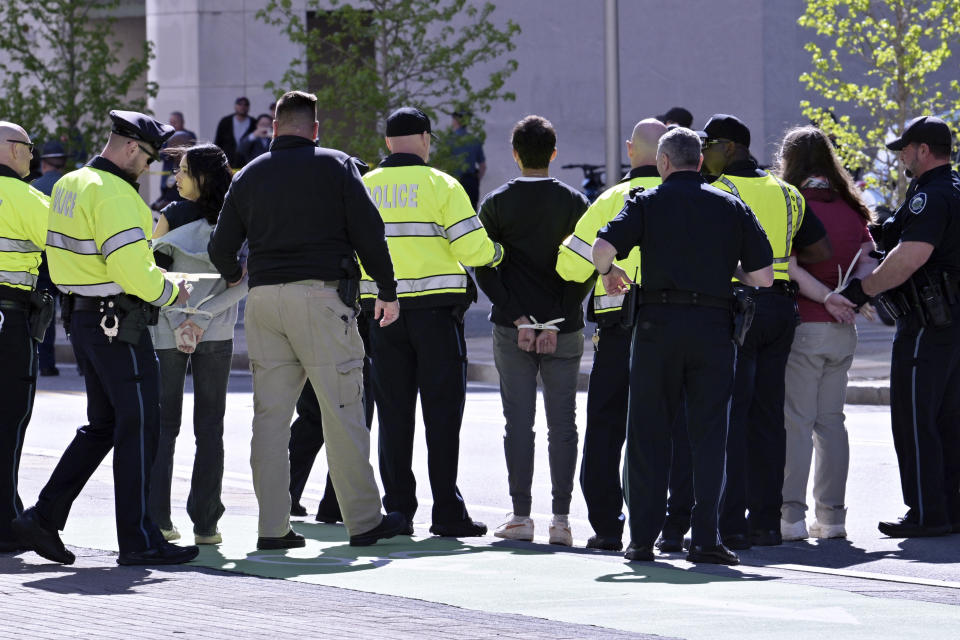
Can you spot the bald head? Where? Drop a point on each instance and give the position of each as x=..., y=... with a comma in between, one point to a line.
x=642, y=146
x=13, y=154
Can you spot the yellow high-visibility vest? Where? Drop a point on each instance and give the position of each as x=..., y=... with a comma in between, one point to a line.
x=779, y=208
x=575, y=261
x=98, y=240
x=23, y=231
x=431, y=229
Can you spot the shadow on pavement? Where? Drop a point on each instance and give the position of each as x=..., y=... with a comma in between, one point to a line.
x=86, y=581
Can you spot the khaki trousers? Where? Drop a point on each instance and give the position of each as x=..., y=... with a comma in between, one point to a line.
x=816, y=387
x=298, y=331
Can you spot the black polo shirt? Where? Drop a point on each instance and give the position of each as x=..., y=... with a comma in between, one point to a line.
x=930, y=213
x=691, y=236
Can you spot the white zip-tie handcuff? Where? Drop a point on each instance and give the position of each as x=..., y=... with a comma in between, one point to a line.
x=843, y=280
x=2, y=318
x=542, y=326
x=193, y=310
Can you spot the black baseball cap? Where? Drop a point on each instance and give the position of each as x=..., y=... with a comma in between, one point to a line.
x=139, y=126
x=52, y=149
x=678, y=115
x=408, y=121
x=722, y=126
x=928, y=129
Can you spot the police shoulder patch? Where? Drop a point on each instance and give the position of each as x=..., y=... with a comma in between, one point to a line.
x=918, y=202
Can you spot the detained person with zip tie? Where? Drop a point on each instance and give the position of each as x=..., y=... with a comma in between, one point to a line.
x=99, y=254
x=918, y=282
x=683, y=345
x=23, y=234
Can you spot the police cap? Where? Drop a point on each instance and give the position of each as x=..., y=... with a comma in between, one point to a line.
x=679, y=115
x=52, y=149
x=132, y=124
x=721, y=126
x=929, y=129
x=408, y=121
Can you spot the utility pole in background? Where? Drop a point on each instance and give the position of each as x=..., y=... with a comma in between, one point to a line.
x=612, y=86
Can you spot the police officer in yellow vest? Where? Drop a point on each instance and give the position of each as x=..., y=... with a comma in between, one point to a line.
x=99, y=254
x=610, y=377
x=756, y=442
x=431, y=231
x=23, y=232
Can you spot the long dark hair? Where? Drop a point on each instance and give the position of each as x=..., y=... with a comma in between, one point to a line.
x=806, y=152
x=207, y=164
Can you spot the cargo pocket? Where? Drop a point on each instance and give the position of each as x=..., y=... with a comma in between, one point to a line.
x=349, y=382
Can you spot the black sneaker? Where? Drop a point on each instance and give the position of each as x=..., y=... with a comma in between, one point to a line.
x=907, y=528
x=297, y=510
x=328, y=518
x=391, y=524
x=607, y=543
x=33, y=534
x=716, y=554
x=289, y=541
x=636, y=553
x=166, y=553
x=466, y=529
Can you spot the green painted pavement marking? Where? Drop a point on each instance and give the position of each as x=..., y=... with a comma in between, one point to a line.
x=666, y=598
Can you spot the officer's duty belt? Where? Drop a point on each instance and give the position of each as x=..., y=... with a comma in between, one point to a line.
x=14, y=304
x=86, y=303
x=11, y=298
x=781, y=287
x=671, y=296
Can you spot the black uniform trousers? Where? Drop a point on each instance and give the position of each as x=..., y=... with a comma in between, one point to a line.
x=756, y=443
x=925, y=415
x=306, y=439
x=18, y=379
x=607, y=397
x=678, y=351
x=123, y=409
x=423, y=352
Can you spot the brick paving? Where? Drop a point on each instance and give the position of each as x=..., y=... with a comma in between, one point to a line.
x=96, y=598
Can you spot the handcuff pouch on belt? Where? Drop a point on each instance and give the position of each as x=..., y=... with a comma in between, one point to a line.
x=42, y=310
x=928, y=295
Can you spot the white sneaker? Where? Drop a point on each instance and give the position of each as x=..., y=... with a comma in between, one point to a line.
x=170, y=534
x=560, y=531
x=216, y=538
x=793, y=530
x=819, y=530
x=516, y=528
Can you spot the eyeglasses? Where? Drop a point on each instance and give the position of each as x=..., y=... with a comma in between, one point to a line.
x=150, y=154
x=709, y=143
x=28, y=145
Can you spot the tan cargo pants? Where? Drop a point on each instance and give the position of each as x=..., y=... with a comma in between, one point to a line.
x=298, y=331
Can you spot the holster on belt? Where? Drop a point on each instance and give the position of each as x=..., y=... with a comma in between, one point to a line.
x=743, y=309
x=42, y=309
x=135, y=316
x=348, y=288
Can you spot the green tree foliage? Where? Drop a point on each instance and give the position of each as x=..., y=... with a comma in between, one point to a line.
x=60, y=70
x=902, y=44
x=367, y=58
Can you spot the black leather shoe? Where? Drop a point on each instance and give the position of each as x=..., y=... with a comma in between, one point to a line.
x=717, y=554
x=466, y=529
x=768, y=538
x=328, y=518
x=669, y=543
x=736, y=541
x=391, y=524
x=289, y=541
x=166, y=553
x=638, y=554
x=607, y=543
x=32, y=534
x=49, y=371
x=11, y=546
x=408, y=529
x=297, y=510
x=904, y=528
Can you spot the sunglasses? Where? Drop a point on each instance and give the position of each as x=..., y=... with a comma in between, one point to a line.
x=28, y=145
x=150, y=154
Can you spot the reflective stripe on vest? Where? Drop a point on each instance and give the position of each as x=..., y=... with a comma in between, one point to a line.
x=497, y=254
x=23, y=278
x=580, y=248
x=18, y=246
x=167, y=291
x=413, y=229
x=73, y=245
x=419, y=285
x=605, y=303
x=93, y=290
x=122, y=239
